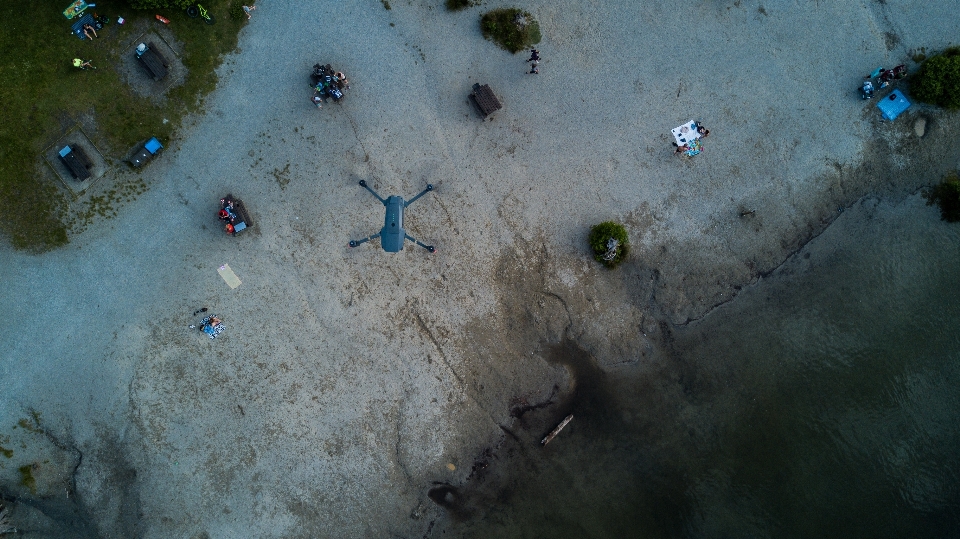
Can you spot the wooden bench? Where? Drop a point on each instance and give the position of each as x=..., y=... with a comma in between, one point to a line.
x=76, y=161
x=155, y=63
x=483, y=98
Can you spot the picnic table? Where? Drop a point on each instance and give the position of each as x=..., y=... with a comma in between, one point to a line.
x=155, y=63
x=486, y=102
x=76, y=161
x=146, y=152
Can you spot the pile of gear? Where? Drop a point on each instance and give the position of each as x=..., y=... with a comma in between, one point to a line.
x=883, y=77
x=327, y=84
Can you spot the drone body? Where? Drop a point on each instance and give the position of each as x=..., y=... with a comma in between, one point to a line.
x=392, y=235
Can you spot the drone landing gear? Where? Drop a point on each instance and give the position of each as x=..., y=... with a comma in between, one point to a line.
x=354, y=243
x=429, y=248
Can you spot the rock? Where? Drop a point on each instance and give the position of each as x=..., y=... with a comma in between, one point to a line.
x=920, y=126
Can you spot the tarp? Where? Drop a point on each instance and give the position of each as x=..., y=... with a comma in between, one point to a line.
x=892, y=105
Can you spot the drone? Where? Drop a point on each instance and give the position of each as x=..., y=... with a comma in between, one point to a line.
x=392, y=235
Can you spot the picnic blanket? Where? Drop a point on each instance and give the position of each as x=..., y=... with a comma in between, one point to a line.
x=78, y=26
x=212, y=331
x=694, y=147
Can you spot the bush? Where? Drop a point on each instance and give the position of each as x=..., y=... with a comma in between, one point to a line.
x=513, y=29
x=947, y=196
x=156, y=4
x=457, y=5
x=938, y=80
x=604, y=251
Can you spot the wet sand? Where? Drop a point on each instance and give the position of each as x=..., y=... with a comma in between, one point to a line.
x=348, y=380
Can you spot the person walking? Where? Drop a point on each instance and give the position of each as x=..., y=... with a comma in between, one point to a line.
x=534, y=55
x=535, y=68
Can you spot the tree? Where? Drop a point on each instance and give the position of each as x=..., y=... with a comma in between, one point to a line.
x=938, y=80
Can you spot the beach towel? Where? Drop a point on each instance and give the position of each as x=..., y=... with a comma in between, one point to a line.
x=229, y=276
x=212, y=331
x=694, y=147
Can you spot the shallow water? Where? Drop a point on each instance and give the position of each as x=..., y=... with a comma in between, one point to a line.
x=823, y=402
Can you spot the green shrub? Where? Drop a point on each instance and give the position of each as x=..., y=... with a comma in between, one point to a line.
x=513, y=29
x=600, y=241
x=157, y=4
x=947, y=196
x=938, y=80
x=457, y=5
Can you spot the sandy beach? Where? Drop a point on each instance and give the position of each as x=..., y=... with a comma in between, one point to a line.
x=350, y=382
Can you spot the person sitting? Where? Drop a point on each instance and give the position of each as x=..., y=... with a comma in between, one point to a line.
x=343, y=79
x=224, y=215
x=82, y=64
x=229, y=228
x=210, y=328
x=703, y=131
x=87, y=30
x=681, y=149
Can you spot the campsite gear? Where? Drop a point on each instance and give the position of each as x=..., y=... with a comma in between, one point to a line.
x=235, y=214
x=866, y=91
x=893, y=105
x=164, y=20
x=326, y=83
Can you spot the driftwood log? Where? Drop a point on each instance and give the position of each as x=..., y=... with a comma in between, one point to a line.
x=553, y=434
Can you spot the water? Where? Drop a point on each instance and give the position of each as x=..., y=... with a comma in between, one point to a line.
x=823, y=402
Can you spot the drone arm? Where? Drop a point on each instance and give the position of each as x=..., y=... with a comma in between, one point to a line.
x=414, y=199
x=430, y=248
x=354, y=243
x=363, y=184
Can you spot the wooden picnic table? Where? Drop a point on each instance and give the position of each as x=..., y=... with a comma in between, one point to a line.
x=483, y=98
x=155, y=63
x=76, y=161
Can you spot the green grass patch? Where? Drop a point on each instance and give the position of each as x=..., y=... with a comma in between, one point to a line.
x=947, y=196
x=43, y=95
x=511, y=28
x=609, y=243
x=938, y=79
x=457, y=5
x=27, y=479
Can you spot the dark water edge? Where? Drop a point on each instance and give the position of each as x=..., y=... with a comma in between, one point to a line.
x=822, y=402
